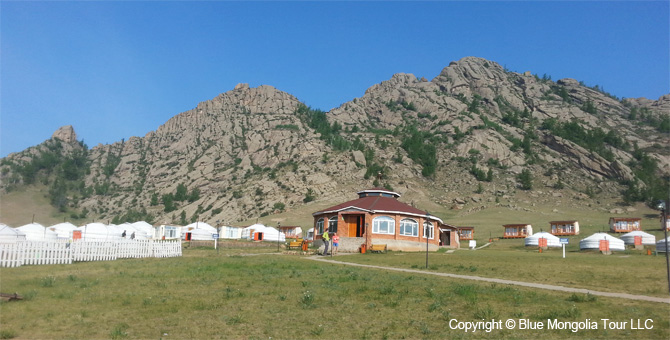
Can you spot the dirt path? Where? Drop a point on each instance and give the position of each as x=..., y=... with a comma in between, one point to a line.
x=502, y=281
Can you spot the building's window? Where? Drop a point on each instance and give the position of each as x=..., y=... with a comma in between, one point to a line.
x=332, y=224
x=428, y=230
x=409, y=227
x=319, y=226
x=383, y=225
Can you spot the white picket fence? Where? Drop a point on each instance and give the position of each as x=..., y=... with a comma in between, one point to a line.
x=64, y=252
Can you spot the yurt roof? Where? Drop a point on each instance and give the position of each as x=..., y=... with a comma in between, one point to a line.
x=63, y=226
x=200, y=225
x=35, y=231
x=256, y=226
x=638, y=233
x=94, y=227
x=200, y=232
x=143, y=226
x=7, y=230
x=601, y=236
x=31, y=227
x=543, y=234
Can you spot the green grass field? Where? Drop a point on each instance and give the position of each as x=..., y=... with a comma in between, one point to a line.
x=227, y=294
x=631, y=272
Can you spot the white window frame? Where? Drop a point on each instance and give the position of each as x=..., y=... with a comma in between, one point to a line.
x=376, y=223
x=319, y=226
x=412, y=225
x=430, y=227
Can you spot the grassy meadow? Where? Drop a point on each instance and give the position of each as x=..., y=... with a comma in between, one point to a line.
x=631, y=271
x=261, y=294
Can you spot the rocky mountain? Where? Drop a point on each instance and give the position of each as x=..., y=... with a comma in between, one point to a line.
x=476, y=127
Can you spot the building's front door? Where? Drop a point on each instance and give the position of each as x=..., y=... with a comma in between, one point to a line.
x=445, y=238
x=353, y=223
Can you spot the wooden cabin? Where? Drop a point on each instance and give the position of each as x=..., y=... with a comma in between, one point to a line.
x=291, y=231
x=517, y=230
x=564, y=228
x=466, y=233
x=625, y=224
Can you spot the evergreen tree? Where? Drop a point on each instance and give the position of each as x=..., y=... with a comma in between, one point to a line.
x=526, y=179
x=181, y=194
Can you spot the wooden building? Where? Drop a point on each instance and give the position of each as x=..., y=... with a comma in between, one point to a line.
x=291, y=231
x=517, y=230
x=564, y=228
x=378, y=217
x=625, y=224
x=466, y=233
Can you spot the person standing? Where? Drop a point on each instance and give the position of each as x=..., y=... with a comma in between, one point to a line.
x=336, y=243
x=326, y=240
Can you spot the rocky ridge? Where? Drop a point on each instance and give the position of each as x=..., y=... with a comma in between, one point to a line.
x=250, y=152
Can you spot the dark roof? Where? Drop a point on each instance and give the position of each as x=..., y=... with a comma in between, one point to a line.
x=625, y=218
x=377, y=204
x=562, y=222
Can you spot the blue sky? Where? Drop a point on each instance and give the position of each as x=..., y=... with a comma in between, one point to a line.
x=119, y=69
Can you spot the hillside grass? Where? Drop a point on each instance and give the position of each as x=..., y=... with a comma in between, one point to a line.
x=208, y=294
x=18, y=207
x=489, y=222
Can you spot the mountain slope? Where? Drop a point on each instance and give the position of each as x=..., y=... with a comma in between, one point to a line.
x=252, y=152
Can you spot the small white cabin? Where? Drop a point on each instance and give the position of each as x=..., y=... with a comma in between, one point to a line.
x=230, y=232
x=167, y=232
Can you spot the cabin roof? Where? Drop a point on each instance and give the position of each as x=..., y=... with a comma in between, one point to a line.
x=625, y=219
x=377, y=204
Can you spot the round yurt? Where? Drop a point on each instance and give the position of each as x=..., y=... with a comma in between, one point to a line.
x=37, y=232
x=201, y=235
x=662, y=245
x=310, y=234
x=145, y=231
x=63, y=230
x=10, y=235
x=593, y=242
x=199, y=225
x=95, y=232
x=533, y=240
x=254, y=232
x=646, y=238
